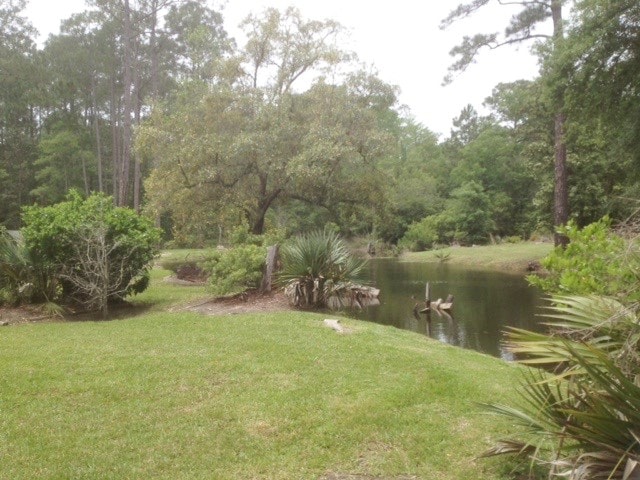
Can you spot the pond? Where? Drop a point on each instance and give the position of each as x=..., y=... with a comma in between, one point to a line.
x=485, y=302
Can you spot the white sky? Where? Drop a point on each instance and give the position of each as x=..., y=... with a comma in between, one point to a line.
x=401, y=39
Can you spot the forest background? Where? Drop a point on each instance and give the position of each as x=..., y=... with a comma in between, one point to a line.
x=152, y=102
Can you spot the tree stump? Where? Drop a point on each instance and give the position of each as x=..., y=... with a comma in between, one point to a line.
x=271, y=265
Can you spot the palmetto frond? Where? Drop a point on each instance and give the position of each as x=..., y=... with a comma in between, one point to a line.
x=317, y=266
x=585, y=405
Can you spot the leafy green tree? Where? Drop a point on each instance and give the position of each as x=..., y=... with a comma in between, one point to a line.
x=494, y=160
x=415, y=176
x=603, y=93
x=522, y=110
x=65, y=161
x=522, y=28
x=469, y=212
x=194, y=35
x=257, y=142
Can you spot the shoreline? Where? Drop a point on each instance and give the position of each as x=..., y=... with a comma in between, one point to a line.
x=508, y=257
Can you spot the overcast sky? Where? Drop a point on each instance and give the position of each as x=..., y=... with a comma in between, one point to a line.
x=400, y=38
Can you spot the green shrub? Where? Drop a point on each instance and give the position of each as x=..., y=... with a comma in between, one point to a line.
x=582, y=421
x=14, y=268
x=235, y=270
x=596, y=261
x=75, y=240
x=421, y=235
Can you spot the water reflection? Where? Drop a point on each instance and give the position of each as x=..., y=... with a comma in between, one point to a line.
x=485, y=302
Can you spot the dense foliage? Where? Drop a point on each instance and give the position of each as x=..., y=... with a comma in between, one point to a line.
x=153, y=103
x=596, y=261
x=17, y=276
x=91, y=251
x=236, y=269
x=579, y=407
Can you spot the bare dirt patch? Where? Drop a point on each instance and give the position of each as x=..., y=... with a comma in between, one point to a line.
x=248, y=302
x=21, y=315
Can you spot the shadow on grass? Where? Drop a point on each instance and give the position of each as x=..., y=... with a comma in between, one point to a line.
x=117, y=311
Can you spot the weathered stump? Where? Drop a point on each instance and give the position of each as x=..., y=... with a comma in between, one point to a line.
x=271, y=265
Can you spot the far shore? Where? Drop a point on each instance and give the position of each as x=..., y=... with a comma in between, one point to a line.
x=512, y=257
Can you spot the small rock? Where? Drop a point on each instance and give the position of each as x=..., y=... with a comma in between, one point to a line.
x=334, y=324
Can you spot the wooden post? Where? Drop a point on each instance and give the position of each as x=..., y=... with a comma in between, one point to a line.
x=427, y=297
x=273, y=255
x=427, y=307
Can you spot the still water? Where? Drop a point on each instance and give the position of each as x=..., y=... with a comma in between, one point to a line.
x=485, y=302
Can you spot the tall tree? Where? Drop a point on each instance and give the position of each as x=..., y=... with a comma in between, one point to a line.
x=522, y=28
x=256, y=141
x=604, y=91
x=19, y=84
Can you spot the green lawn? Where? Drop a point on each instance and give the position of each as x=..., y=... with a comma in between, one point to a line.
x=270, y=396
x=505, y=256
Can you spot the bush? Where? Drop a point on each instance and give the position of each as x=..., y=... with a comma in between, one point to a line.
x=581, y=421
x=596, y=261
x=235, y=270
x=421, y=235
x=14, y=268
x=95, y=251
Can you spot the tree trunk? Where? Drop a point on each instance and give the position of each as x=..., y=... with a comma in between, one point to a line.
x=115, y=143
x=137, y=168
x=96, y=129
x=123, y=177
x=561, y=188
x=155, y=71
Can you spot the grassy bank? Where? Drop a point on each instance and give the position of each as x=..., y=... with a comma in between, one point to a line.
x=269, y=396
x=506, y=256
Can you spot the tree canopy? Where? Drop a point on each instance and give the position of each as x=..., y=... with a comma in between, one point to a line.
x=152, y=102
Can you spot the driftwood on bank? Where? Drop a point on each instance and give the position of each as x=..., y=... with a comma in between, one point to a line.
x=310, y=292
x=438, y=305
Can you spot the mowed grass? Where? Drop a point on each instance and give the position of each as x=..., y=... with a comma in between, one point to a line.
x=164, y=295
x=505, y=256
x=270, y=396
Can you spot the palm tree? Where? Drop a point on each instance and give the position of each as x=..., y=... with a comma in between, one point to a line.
x=318, y=269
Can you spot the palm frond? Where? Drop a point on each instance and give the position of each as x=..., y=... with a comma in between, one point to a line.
x=586, y=401
x=316, y=267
